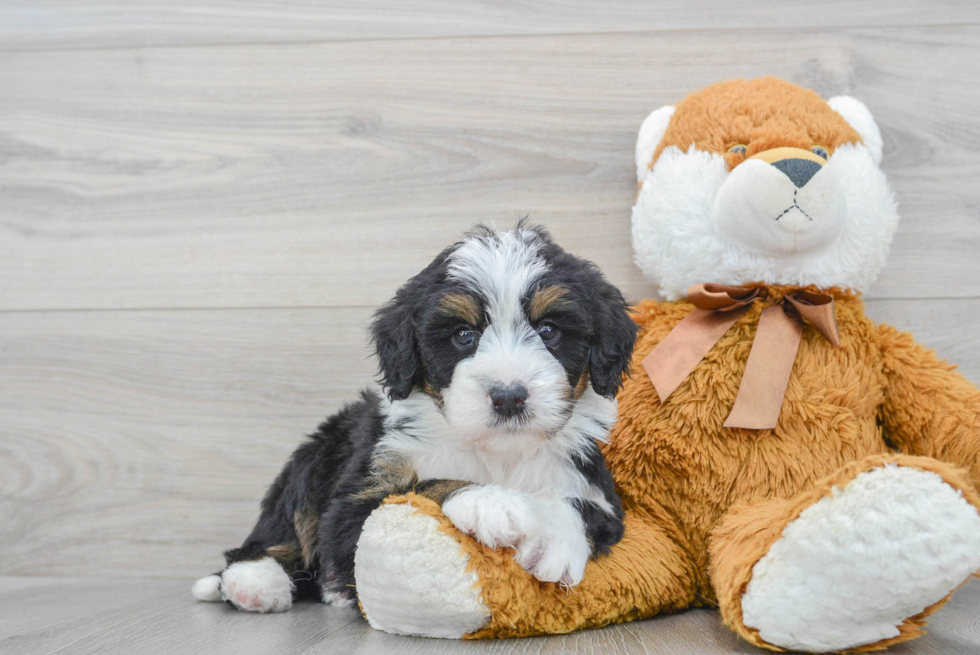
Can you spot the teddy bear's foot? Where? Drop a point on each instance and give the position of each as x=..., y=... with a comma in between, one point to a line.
x=418, y=574
x=862, y=565
x=412, y=577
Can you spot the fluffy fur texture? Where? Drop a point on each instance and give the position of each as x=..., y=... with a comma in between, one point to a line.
x=500, y=363
x=708, y=507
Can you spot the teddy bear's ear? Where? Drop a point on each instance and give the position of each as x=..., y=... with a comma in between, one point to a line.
x=651, y=132
x=857, y=114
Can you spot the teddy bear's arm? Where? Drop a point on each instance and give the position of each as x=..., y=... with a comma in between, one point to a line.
x=929, y=408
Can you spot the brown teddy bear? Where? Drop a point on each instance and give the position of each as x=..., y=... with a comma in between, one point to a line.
x=812, y=474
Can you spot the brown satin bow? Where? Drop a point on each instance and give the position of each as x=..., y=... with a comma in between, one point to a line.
x=767, y=371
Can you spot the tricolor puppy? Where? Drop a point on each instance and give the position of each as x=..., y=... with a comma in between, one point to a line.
x=500, y=363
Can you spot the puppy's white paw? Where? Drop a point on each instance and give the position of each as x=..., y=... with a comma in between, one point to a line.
x=259, y=586
x=493, y=515
x=208, y=588
x=553, y=556
x=337, y=599
x=557, y=549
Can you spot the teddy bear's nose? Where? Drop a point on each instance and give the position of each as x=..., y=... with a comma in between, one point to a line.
x=799, y=171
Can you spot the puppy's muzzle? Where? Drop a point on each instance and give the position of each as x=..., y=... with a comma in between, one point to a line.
x=509, y=401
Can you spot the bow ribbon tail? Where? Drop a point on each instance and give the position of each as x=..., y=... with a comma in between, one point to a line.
x=767, y=371
x=685, y=346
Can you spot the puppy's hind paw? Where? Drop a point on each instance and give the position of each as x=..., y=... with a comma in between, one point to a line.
x=257, y=586
x=337, y=599
x=208, y=589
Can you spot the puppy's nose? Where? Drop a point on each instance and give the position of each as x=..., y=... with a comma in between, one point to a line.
x=799, y=171
x=509, y=400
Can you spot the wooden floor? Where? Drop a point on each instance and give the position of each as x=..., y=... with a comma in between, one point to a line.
x=201, y=203
x=85, y=616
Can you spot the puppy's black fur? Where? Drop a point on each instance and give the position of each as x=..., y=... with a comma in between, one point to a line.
x=313, y=513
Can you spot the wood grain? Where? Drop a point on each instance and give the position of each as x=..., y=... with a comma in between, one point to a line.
x=324, y=175
x=115, y=617
x=139, y=443
x=202, y=203
x=62, y=24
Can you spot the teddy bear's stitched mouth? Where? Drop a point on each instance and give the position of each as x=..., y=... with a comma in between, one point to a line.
x=794, y=206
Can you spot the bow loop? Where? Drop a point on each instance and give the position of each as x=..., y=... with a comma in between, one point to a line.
x=723, y=298
x=818, y=310
x=767, y=371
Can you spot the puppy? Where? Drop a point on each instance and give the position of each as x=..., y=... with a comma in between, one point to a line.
x=500, y=363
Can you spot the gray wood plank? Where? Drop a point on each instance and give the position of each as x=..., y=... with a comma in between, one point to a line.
x=112, y=616
x=61, y=24
x=325, y=175
x=138, y=443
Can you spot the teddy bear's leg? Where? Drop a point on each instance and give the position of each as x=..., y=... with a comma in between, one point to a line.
x=856, y=563
x=417, y=574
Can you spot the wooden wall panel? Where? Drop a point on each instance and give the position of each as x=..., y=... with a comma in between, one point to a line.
x=63, y=24
x=323, y=175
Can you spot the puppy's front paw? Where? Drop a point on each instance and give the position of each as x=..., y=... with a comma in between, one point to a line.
x=555, y=557
x=494, y=516
x=257, y=586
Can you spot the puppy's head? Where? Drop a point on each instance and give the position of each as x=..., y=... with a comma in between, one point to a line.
x=506, y=331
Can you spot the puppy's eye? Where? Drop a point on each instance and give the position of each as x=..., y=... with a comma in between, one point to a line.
x=464, y=338
x=738, y=149
x=548, y=333
x=820, y=151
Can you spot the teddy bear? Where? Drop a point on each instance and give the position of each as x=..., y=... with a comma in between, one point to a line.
x=779, y=455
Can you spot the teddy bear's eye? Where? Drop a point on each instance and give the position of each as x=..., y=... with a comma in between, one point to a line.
x=738, y=149
x=820, y=151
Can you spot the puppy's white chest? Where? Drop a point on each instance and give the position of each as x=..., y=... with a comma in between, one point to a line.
x=532, y=473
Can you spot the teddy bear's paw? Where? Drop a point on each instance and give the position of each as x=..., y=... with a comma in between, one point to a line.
x=259, y=586
x=412, y=577
x=494, y=516
x=855, y=565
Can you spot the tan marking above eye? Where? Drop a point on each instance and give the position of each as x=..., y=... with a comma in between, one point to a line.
x=462, y=305
x=545, y=300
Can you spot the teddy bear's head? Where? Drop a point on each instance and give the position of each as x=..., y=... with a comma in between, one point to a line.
x=761, y=181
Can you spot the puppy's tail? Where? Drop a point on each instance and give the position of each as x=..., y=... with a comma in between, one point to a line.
x=208, y=588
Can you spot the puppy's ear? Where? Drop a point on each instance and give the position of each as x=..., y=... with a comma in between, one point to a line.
x=615, y=334
x=395, y=343
x=393, y=331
